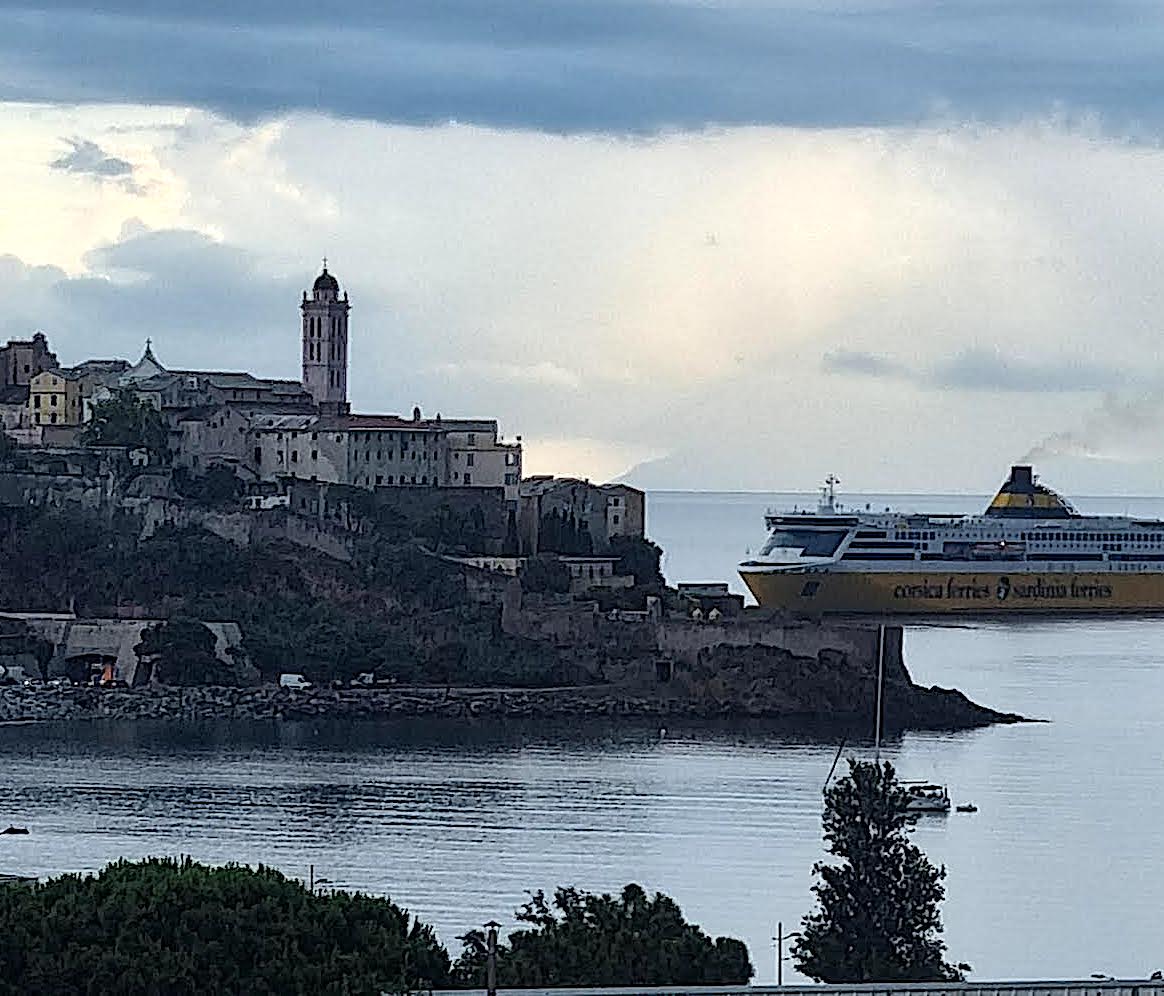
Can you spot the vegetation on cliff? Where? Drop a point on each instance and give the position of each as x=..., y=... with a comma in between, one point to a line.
x=877, y=917
x=161, y=926
x=181, y=652
x=396, y=611
x=126, y=420
x=583, y=939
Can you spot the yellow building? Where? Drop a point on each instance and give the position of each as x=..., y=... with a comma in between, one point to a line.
x=54, y=398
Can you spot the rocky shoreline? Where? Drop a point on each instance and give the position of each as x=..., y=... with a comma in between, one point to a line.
x=927, y=708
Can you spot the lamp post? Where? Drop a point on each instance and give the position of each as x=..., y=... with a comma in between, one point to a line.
x=491, y=957
x=780, y=938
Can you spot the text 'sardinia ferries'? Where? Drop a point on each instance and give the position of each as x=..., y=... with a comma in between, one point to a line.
x=1030, y=552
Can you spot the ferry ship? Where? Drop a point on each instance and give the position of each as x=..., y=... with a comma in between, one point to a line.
x=1030, y=552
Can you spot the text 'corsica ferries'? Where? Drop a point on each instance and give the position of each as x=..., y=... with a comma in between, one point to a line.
x=1031, y=552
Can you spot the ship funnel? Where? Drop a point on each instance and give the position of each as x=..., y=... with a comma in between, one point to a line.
x=1022, y=477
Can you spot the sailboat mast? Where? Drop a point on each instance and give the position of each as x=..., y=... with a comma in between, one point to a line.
x=880, y=687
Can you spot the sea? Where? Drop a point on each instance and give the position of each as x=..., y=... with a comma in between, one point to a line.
x=1059, y=873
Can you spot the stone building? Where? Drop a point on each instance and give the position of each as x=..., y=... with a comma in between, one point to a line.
x=571, y=514
x=23, y=359
x=332, y=445
x=54, y=398
x=385, y=451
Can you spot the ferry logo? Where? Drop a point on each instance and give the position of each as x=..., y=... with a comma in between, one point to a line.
x=1002, y=591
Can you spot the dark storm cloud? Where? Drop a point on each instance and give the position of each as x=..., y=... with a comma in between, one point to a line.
x=585, y=65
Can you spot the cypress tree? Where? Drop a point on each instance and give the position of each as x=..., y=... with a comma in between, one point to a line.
x=877, y=916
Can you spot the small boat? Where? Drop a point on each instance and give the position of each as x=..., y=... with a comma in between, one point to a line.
x=925, y=797
x=967, y=807
x=14, y=830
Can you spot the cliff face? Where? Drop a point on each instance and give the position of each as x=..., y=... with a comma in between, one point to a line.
x=833, y=685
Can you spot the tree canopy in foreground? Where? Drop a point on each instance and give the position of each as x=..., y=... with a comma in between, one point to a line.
x=582, y=939
x=162, y=926
x=877, y=916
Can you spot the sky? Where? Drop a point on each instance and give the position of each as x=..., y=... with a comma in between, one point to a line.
x=707, y=245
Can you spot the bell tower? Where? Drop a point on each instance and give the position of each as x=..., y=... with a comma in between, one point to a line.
x=325, y=344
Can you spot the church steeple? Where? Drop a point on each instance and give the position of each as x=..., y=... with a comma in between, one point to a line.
x=325, y=343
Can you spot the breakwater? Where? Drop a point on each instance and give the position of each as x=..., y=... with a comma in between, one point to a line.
x=757, y=682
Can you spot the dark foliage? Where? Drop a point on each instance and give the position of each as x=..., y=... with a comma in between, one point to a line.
x=298, y=611
x=219, y=486
x=545, y=574
x=182, y=653
x=125, y=420
x=640, y=557
x=559, y=533
x=161, y=926
x=7, y=446
x=582, y=939
x=877, y=918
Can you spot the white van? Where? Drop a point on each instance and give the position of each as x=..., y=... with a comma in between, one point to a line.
x=293, y=681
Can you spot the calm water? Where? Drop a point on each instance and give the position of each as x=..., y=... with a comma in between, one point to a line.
x=1058, y=874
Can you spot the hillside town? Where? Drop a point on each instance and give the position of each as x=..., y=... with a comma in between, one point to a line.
x=270, y=433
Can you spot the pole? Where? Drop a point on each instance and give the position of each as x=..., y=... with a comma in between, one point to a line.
x=880, y=686
x=780, y=953
x=491, y=958
x=311, y=879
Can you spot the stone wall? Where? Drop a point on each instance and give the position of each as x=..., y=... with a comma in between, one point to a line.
x=113, y=641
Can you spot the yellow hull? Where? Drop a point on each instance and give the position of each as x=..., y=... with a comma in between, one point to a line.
x=979, y=593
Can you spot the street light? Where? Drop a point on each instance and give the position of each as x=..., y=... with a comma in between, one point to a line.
x=780, y=938
x=491, y=957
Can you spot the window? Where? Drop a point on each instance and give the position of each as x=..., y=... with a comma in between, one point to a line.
x=389, y=478
x=468, y=479
x=36, y=401
x=616, y=520
x=379, y=478
x=54, y=418
x=424, y=480
x=258, y=454
x=294, y=456
x=472, y=439
x=469, y=460
x=314, y=436
x=53, y=400
x=315, y=454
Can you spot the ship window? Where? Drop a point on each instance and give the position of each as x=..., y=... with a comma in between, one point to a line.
x=810, y=542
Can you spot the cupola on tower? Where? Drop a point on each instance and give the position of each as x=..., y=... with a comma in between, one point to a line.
x=325, y=343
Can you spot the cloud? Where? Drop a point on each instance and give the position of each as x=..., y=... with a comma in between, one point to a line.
x=89, y=158
x=990, y=370
x=851, y=361
x=665, y=298
x=598, y=65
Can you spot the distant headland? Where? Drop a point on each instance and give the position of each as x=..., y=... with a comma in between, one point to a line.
x=197, y=544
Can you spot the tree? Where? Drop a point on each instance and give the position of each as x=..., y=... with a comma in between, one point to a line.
x=544, y=574
x=183, y=653
x=7, y=445
x=126, y=420
x=584, y=939
x=640, y=557
x=877, y=918
x=162, y=926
